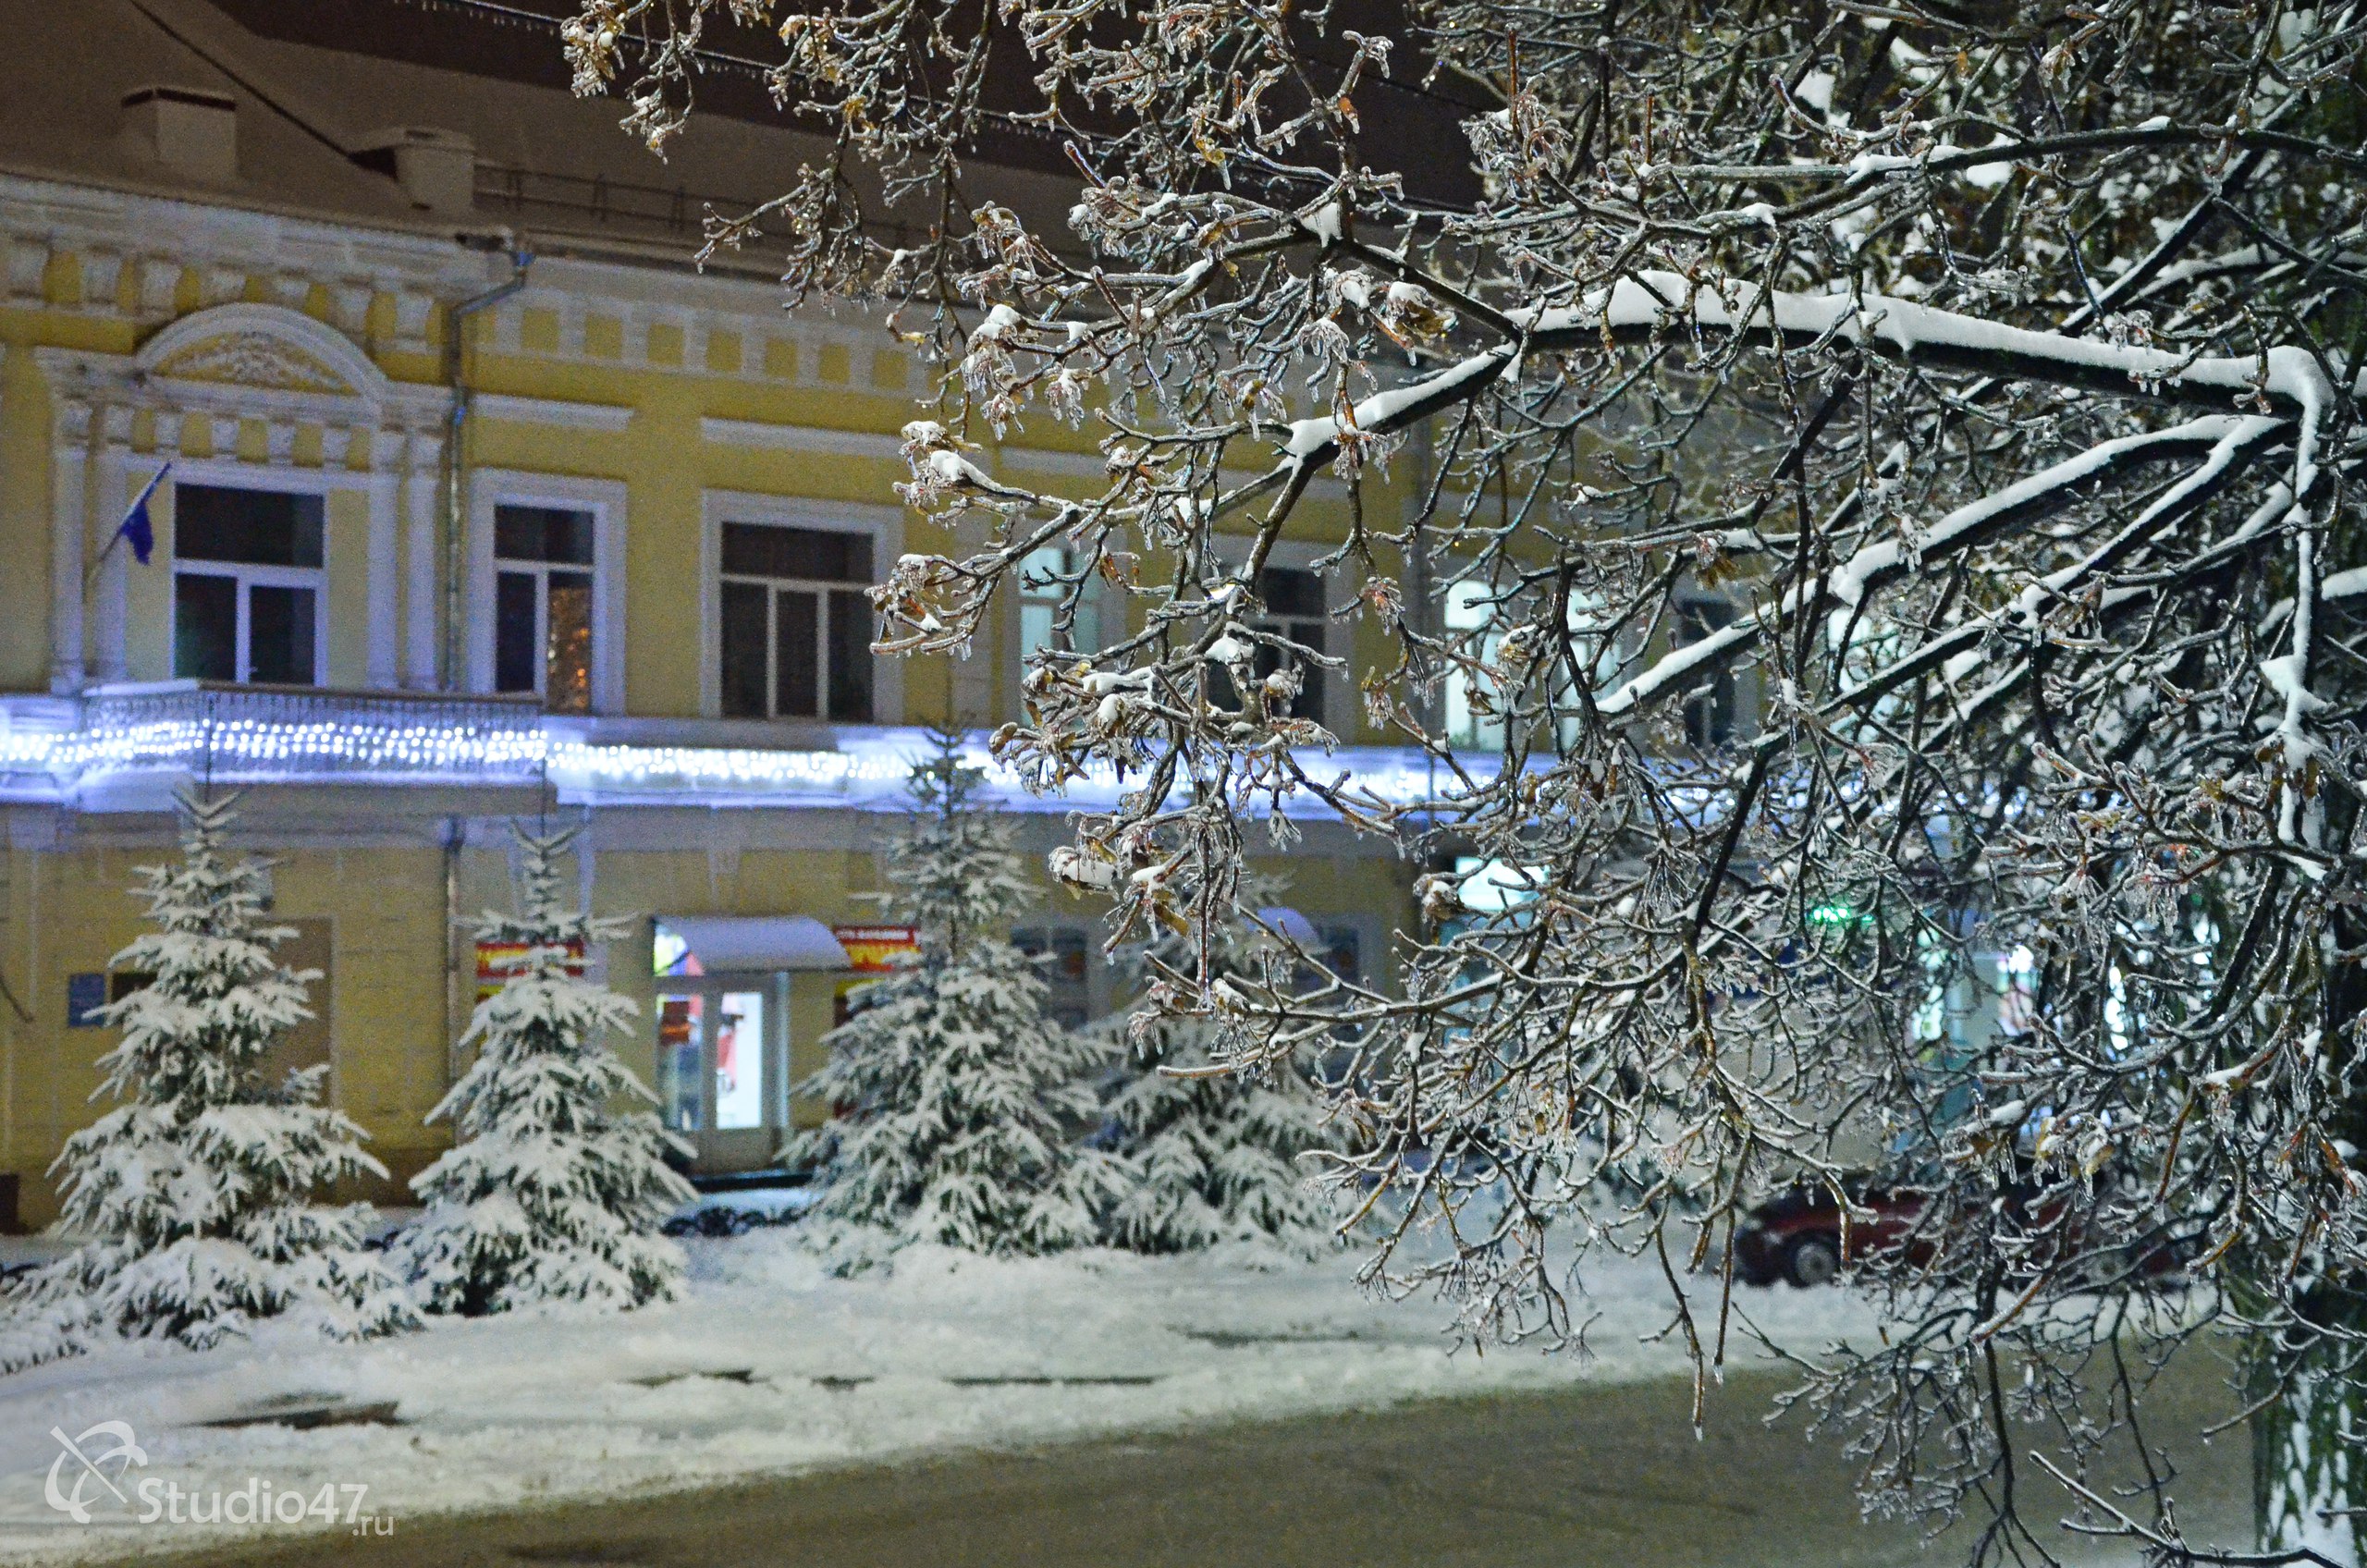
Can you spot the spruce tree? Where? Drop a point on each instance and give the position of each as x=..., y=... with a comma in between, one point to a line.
x=960, y=1100
x=1209, y=1158
x=197, y=1200
x=555, y=1191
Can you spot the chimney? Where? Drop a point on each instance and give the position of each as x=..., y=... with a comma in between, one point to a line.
x=436, y=169
x=189, y=129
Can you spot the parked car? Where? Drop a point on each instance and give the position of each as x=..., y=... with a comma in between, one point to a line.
x=1798, y=1234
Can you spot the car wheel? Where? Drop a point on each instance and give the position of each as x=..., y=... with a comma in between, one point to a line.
x=1811, y=1261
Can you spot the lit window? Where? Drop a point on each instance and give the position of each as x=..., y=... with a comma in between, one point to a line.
x=1041, y=592
x=1472, y=716
x=740, y=1060
x=796, y=635
x=2017, y=1011
x=542, y=640
x=1477, y=616
x=247, y=583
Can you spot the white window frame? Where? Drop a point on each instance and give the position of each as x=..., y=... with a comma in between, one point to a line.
x=122, y=475
x=820, y=590
x=1487, y=733
x=509, y=566
x=1091, y=603
x=1340, y=713
x=883, y=525
x=604, y=499
x=248, y=576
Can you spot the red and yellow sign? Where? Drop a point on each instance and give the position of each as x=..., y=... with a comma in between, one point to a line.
x=873, y=950
x=498, y=961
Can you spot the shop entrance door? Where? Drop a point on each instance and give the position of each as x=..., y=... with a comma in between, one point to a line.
x=722, y=1066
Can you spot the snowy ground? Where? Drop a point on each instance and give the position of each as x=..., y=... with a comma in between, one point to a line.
x=772, y=1365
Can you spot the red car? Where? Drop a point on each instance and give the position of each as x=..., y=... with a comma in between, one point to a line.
x=1798, y=1234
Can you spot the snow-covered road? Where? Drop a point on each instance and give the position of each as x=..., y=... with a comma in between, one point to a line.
x=771, y=1366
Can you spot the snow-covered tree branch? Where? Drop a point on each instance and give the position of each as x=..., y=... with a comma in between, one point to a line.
x=1884, y=530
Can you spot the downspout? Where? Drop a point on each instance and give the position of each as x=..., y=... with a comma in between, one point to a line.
x=455, y=463
x=455, y=487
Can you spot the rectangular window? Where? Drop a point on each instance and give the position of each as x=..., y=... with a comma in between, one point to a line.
x=747, y=659
x=206, y=627
x=1295, y=609
x=795, y=662
x=542, y=622
x=850, y=656
x=1709, y=712
x=1041, y=593
x=215, y=522
x=1473, y=711
x=280, y=634
x=740, y=1060
x=796, y=639
x=247, y=585
x=1294, y=601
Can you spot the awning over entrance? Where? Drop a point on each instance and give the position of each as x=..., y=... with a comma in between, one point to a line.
x=1285, y=921
x=723, y=942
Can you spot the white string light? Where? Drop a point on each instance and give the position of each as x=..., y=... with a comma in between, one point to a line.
x=274, y=736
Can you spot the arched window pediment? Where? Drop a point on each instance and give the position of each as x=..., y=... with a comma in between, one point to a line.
x=264, y=347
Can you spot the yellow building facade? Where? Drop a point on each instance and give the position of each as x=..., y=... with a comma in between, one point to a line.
x=469, y=513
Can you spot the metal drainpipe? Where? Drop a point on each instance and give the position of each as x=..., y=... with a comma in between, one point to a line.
x=454, y=476
x=455, y=456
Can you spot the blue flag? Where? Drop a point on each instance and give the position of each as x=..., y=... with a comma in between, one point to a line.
x=136, y=526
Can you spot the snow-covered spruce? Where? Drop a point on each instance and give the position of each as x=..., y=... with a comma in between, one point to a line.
x=1214, y=1157
x=197, y=1200
x=554, y=1192
x=960, y=1099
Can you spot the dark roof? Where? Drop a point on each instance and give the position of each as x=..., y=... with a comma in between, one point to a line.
x=317, y=82
x=314, y=92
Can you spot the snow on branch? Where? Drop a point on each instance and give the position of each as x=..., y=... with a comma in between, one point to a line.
x=1856, y=517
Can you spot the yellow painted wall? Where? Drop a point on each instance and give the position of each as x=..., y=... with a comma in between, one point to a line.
x=659, y=456
x=148, y=598
x=347, y=559
x=24, y=514
x=67, y=909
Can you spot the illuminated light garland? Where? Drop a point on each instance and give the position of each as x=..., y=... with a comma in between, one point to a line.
x=269, y=737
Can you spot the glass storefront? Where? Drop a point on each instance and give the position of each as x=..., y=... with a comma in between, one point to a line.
x=722, y=1043
x=681, y=1045
x=740, y=1053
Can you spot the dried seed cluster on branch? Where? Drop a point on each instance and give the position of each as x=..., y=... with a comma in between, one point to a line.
x=1965, y=395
